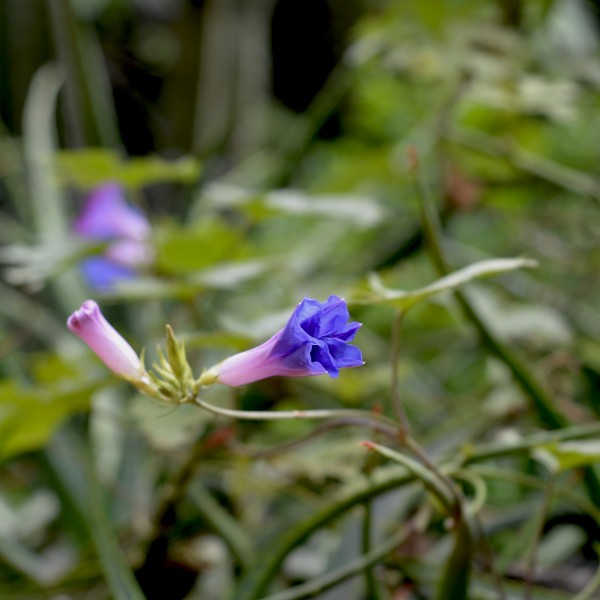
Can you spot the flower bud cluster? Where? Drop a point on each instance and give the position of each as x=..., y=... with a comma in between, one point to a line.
x=172, y=375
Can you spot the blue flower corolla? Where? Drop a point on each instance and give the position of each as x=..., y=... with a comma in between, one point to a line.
x=102, y=273
x=106, y=216
x=313, y=342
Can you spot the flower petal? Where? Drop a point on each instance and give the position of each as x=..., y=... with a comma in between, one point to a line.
x=320, y=354
x=344, y=355
x=298, y=329
x=334, y=316
x=348, y=332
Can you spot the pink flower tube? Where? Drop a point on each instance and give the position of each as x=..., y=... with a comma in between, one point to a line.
x=89, y=324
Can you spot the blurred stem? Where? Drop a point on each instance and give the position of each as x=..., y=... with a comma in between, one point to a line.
x=165, y=516
x=216, y=83
x=70, y=467
x=588, y=592
x=252, y=78
x=39, y=140
x=175, y=491
x=47, y=203
x=115, y=566
x=454, y=583
x=488, y=451
x=324, y=582
x=429, y=477
x=298, y=139
x=397, y=403
x=479, y=489
x=374, y=591
x=404, y=429
x=256, y=580
x=90, y=110
x=455, y=579
x=533, y=551
x=548, y=413
x=544, y=405
x=512, y=12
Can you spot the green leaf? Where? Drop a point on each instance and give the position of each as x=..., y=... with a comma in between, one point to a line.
x=569, y=455
x=29, y=416
x=186, y=250
x=360, y=211
x=93, y=166
x=454, y=584
x=403, y=300
x=222, y=276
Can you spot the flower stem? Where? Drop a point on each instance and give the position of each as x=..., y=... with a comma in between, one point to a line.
x=397, y=403
x=370, y=419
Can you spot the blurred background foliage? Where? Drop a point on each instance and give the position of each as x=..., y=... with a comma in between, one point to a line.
x=266, y=141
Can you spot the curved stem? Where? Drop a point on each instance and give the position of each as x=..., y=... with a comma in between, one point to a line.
x=479, y=489
x=370, y=419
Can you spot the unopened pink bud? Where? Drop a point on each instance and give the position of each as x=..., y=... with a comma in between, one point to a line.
x=89, y=324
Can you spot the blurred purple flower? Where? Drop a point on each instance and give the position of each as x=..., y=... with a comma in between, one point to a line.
x=102, y=273
x=313, y=342
x=89, y=324
x=106, y=216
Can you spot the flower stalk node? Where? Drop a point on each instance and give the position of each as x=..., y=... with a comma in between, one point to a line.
x=172, y=373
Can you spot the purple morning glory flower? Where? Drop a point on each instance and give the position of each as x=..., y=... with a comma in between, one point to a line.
x=313, y=342
x=89, y=324
x=106, y=216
